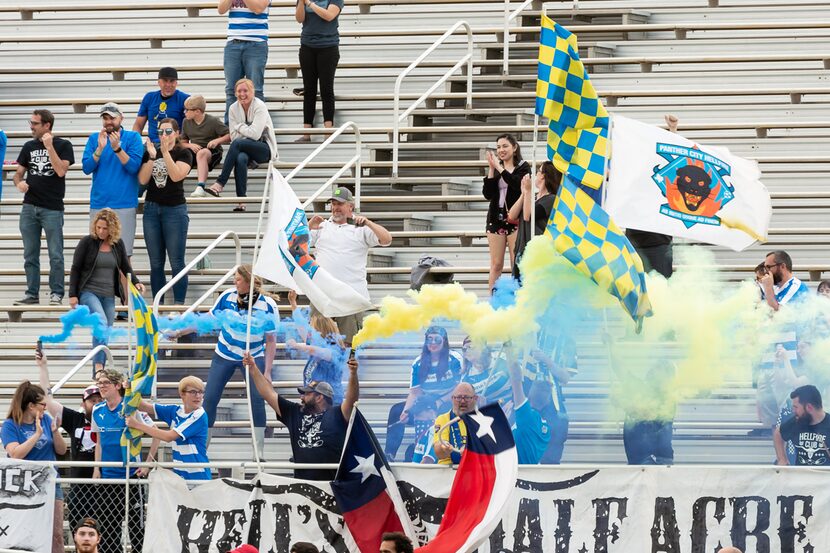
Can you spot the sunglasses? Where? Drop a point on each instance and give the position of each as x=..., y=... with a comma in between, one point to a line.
x=168, y=132
x=435, y=340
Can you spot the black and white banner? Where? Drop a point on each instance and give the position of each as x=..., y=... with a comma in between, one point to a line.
x=27, y=504
x=553, y=510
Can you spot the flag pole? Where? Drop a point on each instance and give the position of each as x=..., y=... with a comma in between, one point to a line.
x=346, y=439
x=257, y=453
x=533, y=180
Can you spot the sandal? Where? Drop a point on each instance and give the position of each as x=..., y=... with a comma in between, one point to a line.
x=213, y=192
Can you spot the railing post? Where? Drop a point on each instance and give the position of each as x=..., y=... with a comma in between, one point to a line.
x=505, y=50
x=87, y=358
x=468, y=59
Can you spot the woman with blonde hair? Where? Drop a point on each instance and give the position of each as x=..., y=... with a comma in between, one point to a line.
x=252, y=140
x=95, y=278
x=165, y=208
x=30, y=433
x=323, y=343
x=230, y=348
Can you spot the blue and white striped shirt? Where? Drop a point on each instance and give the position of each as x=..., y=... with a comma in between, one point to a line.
x=191, y=445
x=231, y=343
x=244, y=24
x=791, y=290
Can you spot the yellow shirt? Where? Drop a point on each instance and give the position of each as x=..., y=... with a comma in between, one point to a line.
x=454, y=434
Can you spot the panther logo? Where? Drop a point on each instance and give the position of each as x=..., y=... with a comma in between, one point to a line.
x=693, y=183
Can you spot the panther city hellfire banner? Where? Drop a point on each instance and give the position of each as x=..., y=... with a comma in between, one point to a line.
x=622, y=509
x=662, y=182
x=285, y=259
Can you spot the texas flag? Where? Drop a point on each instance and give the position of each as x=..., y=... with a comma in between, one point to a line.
x=482, y=486
x=366, y=491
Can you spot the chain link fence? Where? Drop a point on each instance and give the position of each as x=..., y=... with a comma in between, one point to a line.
x=120, y=510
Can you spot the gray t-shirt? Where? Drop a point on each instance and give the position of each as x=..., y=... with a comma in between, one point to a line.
x=210, y=129
x=101, y=281
x=317, y=32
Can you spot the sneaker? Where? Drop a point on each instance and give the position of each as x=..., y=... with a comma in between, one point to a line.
x=28, y=300
x=55, y=299
x=122, y=316
x=198, y=192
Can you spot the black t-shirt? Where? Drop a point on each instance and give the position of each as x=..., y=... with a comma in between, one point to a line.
x=81, y=446
x=316, y=438
x=646, y=239
x=543, y=207
x=811, y=441
x=46, y=189
x=161, y=189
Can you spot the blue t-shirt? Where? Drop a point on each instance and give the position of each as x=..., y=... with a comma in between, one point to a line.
x=317, y=32
x=44, y=449
x=114, y=184
x=532, y=434
x=156, y=107
x=191, y=446
x=108, y=425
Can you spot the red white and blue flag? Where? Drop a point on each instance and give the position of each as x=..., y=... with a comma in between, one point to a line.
x=482, y=486
x=366, y=491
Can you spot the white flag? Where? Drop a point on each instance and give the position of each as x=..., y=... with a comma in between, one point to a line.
x=662, y=182
x=284, y=257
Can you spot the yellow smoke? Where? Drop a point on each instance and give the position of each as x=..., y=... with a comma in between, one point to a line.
x=545, y=275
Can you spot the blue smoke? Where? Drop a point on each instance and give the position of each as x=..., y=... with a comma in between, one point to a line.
x=82, y=317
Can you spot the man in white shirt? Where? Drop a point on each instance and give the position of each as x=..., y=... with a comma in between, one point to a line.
x=342, y=244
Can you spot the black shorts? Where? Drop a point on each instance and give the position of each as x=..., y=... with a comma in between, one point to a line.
x=215, y=157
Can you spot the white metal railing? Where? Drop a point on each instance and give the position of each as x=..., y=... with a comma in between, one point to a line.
x=353, y=162
x=87, y=358
x=466, y=59
x=508, y=19
x=219, y=239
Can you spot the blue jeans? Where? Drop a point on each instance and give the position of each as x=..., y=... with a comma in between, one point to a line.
x=648, y=442
x=33, y=220
x=240, y=152
x=165, y=234
x=105, y=307
x=221, y=371
x=244, y=58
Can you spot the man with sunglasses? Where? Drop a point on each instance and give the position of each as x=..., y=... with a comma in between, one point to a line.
x=779, y=287
x=450, y=439
x=108, y=425
x=41, y=177
x=188, y=424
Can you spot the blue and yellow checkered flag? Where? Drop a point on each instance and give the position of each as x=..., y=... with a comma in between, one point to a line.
x=143, y=373
x=587, y=237
x=578, y=128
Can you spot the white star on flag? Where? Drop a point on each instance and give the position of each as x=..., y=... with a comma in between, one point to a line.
x=366, y=467
x=485, y=425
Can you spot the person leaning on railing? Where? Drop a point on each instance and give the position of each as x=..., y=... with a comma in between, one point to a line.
x=30, y=433
x=188, y=424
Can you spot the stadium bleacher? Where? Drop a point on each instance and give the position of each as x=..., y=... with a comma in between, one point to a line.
x=746, y=74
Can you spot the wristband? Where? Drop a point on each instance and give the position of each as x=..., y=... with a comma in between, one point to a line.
x=118, y=151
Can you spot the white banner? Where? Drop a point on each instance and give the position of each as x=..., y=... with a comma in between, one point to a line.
x=553, y=510
x=284, y=257
x=27, y=505
x=662, y=182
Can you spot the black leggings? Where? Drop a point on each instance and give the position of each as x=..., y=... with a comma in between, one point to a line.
x=318, y=64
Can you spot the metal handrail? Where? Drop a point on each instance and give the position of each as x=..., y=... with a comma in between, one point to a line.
x=467, y=58
x=508, y=18
x=87, y=358
x=354, y=161
x=196, y=260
